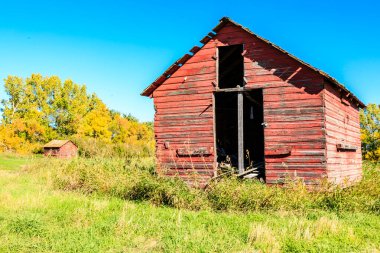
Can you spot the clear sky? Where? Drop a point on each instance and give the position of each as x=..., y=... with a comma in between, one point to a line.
x=117, y=48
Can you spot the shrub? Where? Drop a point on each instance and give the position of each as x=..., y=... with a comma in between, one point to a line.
x=130, y=179
x=134, y=179
x=364, y=196
x=234, y=194
x=95, y=148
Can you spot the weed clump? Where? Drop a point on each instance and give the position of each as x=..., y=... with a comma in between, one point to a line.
x=130, y=179
x=135, y=179
x=26, y=226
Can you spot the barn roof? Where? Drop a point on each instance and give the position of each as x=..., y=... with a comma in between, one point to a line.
x=56, y=143
x=224, y=21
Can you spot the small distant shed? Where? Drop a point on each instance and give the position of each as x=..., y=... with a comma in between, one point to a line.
x=61, y=149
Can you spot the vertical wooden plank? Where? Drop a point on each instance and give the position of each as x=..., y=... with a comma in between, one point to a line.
x=214, y=110
x=240, y=133
x=215, y=167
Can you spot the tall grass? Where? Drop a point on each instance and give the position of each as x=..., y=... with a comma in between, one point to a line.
x=94, y=148
x=130, y=179
x=134, y=179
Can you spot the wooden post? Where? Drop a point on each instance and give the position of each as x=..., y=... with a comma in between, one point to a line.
x=240, y=133
x=215, y=166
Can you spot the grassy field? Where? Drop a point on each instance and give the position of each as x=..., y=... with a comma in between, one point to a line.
x=35, y=217
x=11, y=162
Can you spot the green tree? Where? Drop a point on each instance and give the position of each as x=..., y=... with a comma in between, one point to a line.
x=23, y=110
x=71, y=103
x=15, y=90
x=370, y=132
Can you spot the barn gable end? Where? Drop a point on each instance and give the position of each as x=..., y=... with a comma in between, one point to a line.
x=293, y=108
x=294, y=102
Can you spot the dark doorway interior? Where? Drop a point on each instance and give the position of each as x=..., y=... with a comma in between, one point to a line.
x=226, y=121
x=226, y=116
x=231, y=66
x=254, y=130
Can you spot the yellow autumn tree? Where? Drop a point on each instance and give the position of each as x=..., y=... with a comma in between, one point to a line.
x=132, y=134
x=370, y=132
x=97, y=121
x=9, y=141
x=37, y=109
x=127, y=129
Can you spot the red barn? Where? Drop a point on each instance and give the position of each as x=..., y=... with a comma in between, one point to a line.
x=61, y=149
x=241, y=100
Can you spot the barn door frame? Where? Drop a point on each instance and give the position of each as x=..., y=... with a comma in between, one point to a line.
x=240, y=101
x=239, y=91
x=240, y=123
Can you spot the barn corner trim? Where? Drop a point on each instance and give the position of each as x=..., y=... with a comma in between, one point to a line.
x=224, y=21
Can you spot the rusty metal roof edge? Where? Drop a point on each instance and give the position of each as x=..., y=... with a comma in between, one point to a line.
x=222, y=22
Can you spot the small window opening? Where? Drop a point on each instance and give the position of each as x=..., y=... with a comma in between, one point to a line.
x=231, y=66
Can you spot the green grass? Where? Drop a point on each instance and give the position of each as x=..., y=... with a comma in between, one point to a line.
x=12, y=162
x=35, y=217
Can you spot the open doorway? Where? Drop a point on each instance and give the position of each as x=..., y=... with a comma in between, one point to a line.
x=254, y=130
x=227, y=129
x=226, y=117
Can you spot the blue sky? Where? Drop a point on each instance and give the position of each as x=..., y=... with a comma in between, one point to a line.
x=117, y=48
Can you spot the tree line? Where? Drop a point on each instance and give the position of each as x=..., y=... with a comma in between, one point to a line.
x=38, y=109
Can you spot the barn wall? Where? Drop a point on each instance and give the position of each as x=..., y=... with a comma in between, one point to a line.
x=68, y=150
x=342, y=127
x=293, y=102
x=184, y=118
x=293, y=108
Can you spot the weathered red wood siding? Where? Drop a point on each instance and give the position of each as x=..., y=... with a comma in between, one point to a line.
x=184, y=118
x=68, y=150
x=342, y=127
x=293, y=109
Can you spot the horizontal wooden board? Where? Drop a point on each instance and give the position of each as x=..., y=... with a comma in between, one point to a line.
x=179, y=123
x=181, y=98
x=342, y=126
x=190, y=78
